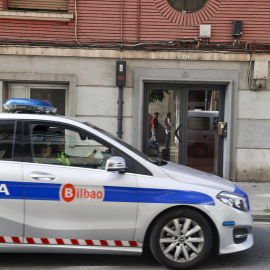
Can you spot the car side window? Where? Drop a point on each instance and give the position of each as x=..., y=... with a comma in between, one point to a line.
x=7, y=139
x=61, y=145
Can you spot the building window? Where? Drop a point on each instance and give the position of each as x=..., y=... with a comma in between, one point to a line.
x=51, y=5
x=57, y=94
x=186, y=6
x=187, y=12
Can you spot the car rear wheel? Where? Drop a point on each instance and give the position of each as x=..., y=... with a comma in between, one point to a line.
x=181, y=239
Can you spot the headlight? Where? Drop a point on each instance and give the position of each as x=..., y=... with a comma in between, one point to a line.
x=234, y=200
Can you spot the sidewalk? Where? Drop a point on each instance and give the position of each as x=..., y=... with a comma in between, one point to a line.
x=259, y=199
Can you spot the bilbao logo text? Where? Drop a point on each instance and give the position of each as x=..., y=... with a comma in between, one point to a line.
x=70, y=193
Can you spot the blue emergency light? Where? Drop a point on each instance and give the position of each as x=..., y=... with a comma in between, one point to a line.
x=25, y=105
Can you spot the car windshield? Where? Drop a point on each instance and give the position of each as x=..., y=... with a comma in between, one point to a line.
x=156, y=161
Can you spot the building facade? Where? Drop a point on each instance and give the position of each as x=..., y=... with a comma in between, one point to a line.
x=180, y=58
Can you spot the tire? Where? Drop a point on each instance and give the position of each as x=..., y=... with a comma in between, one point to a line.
x=181, y=239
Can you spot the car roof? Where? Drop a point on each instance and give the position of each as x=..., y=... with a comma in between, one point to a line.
x=67, y=120
x=45, y=117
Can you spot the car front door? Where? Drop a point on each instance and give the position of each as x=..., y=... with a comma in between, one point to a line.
x=11, y=186
x=69, y=196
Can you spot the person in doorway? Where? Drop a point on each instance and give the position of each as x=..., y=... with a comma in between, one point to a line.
x=154, y=126
x=168, y=127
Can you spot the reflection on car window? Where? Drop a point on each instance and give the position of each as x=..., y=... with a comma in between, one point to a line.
x=57, y=145
x=7, y=139
x=155, y=161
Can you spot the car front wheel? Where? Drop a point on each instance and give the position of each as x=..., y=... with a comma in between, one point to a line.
x=181, y=239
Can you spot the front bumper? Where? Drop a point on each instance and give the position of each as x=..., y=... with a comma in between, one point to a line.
x=234, y=229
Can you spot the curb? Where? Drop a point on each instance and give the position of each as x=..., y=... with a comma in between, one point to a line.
x=261, y=218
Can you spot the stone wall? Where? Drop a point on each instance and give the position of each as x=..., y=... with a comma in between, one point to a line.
x=94, y=95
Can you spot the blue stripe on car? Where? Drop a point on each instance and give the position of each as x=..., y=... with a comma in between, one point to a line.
x=15, y=190
x=30, y=191
x=150, y=195
x=120, y=194
x=51, y=192
x=42, y=191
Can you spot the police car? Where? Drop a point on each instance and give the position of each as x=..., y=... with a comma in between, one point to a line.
x=68, y=186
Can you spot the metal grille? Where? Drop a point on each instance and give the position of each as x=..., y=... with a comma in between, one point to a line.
x=61, y=5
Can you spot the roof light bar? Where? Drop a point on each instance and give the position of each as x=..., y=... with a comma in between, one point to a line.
x=25, y=105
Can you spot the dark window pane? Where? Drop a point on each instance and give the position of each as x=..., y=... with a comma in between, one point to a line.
x=59, y=145
x=56, y=96
x=7, y=139
x=187, y=5
x=198, y=123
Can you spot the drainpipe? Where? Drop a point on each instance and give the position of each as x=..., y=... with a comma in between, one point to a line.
x=76, y=24
x=121, y=21
x=120, y=82
x=138, y=21
x=120, y=111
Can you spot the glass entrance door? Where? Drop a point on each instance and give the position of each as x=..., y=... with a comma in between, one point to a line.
x=202, y=133
x=187, y=125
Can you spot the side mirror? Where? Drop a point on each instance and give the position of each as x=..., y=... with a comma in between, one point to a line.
x=116, y=164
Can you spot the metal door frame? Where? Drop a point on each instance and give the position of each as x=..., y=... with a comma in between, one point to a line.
x=184, y=95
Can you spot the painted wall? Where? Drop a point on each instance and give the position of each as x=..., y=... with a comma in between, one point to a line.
x=142, y=21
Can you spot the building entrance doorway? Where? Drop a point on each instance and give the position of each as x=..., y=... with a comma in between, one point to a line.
x=186, y=129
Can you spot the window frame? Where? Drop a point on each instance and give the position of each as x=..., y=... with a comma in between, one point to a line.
x=32, y=14
x=66, y=127
x=188, y=19
x=134, y=167
x=39, y=5
x=23, y=90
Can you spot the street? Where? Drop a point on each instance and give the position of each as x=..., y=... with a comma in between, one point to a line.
x=257, y=257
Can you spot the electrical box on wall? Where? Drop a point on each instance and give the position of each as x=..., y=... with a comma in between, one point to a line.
x=222, y=128
x=205, y=31
x=120, y=73
x=260, y=71
x=237, y=28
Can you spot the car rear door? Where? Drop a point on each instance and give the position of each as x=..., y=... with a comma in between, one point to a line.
x=11, y=186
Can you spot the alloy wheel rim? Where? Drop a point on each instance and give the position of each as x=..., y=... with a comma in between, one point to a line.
x=181, y=240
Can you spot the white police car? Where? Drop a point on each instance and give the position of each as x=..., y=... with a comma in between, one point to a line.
x=67, y=186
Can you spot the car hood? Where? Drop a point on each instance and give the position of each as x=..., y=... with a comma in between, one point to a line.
x=192, y=176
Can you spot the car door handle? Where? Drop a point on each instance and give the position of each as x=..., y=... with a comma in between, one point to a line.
x=42, y=176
